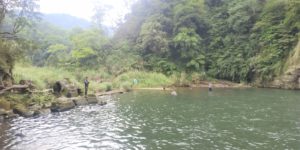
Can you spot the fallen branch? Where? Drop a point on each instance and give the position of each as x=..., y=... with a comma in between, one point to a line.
x=13, y=87
x=42, y=91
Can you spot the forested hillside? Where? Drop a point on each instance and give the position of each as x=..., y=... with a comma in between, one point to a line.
x=236, y=40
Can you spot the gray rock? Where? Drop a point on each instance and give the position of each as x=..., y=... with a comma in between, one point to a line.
x=3, y=112
x=289, y=80
x=11, y=115
x=35, y=107
x=1, y=118
x=102, y=103
x=79, y=101
x=62, y=104
x=92, y=99
x=42, y=112
x=23, y=111
x=47, y=105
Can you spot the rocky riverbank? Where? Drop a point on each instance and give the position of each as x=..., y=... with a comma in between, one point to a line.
x=201, y=84
x=11, y=109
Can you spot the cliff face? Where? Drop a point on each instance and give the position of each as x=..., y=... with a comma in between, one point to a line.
x=290, y=79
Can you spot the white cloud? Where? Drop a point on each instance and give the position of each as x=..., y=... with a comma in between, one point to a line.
x=85, y=8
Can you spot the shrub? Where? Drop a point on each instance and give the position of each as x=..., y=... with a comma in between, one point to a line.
x=127, y=86
x=144, y=79
x=105, y=86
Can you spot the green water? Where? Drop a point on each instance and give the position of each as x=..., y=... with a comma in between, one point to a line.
x=223, y=119
x=195, y=119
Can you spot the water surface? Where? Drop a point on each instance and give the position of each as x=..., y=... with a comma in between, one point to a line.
x=195, y=119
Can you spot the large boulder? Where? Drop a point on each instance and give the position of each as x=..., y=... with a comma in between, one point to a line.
x=4, y=104
x=62, y=104
x=79, y=101
x=66, y=88
x=10, y=114
x=102, y=103
x=23, y=111
x=289, y=80
x=2, y=112
x=42, y=112
x=92, y=99
x=47, y=105
x=7, y=114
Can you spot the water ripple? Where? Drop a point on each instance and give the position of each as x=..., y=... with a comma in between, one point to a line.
x=133, y=122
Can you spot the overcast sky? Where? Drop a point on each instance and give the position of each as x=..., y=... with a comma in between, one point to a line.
x=85, y=8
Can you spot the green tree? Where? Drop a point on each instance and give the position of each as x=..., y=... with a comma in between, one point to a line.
x=14, y=16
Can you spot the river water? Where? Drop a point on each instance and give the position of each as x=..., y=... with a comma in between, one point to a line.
x=195, y=119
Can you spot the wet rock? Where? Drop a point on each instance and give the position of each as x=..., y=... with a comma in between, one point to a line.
x=10, y=114
x=5, y=104
x=47, y=105
x=23, y=111
x=102, y=103
x=35, y=107
x=20, y=135
x=92, y=99
x=1, y=118
x=2, y=112
x=289, y=80
x=62, y=104
x=79, y=101
x=42, y=112
x=66, y=88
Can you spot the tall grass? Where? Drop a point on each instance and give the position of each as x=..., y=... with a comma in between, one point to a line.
x=42, y=77
x=144, y=79
x=293, y=60
x=45, y=77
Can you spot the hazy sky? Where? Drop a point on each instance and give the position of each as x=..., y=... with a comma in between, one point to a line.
x=85, y=8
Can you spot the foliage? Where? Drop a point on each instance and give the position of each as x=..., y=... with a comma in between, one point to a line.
x=185, y=40
x=127, y=86
x=43, y=77
x=105, y=86
x=144, y=79
x=14, y=16
x=236, y=40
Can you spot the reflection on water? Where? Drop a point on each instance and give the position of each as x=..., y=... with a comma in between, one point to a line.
x=195, y=119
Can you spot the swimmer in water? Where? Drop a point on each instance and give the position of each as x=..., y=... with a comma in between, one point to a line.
x=209, y=87
x=174, y=93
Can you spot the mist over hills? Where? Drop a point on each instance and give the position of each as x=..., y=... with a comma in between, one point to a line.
x=66, y=21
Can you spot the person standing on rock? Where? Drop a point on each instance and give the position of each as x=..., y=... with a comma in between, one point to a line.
x=86, y=85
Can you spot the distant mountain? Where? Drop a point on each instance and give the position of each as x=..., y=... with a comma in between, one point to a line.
x=66, y=21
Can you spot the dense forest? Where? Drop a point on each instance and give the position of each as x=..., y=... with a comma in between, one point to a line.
x=236, y=40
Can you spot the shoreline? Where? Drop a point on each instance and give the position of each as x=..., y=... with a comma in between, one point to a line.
x=13, y=109
x=10, y=109
x=203, y=84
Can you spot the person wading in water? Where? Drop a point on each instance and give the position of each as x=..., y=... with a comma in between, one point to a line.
x=209, y=87
x=86, y=85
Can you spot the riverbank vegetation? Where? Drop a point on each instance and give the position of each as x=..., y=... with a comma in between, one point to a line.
x=160, y=43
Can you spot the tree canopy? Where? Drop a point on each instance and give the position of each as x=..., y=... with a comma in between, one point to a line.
x=235, y=40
